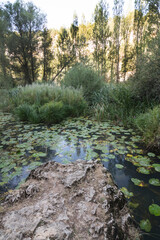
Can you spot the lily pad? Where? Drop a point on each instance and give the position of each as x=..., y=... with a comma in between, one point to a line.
x=138, y=182
x=156, y=167
x=151, y=154
x=119, y=166
x=145, y=225
x=154, y=209
x=133, y=205
x=143, y=170
x=154, y=181
x=126, y=192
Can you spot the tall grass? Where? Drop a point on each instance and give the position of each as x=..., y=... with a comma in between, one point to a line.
x=40, y=94
x=149, y=125
x=46, y=103
x=118, y=102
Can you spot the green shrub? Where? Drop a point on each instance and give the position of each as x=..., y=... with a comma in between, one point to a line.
x=52, y=112
x=117, y=101
x=149, y=125
x=27, y=112
x=47, y=103
x=40, y=94
x=81, y=76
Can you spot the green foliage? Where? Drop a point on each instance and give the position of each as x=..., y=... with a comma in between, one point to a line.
x=149, y=124
x=52, y=112
x=118, y=101
x=146, y=81
x=81, y=76
x=154, y=209
x=27, y=112
x=46, y=103
x=145, y=225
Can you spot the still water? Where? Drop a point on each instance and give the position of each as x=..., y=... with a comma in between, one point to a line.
x=23, y=147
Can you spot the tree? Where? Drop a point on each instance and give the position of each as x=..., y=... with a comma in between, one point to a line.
x=26, y=23
x=117, y=12
x=101, y=35
x=128, y=51
x=47, y=54
x=153, y=16
x=138, y=28
x=3, y=40
x=65, y=54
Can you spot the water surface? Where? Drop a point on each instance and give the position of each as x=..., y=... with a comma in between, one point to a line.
x=24, y=146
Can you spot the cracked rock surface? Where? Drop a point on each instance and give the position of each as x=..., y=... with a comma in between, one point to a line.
x=76, y=201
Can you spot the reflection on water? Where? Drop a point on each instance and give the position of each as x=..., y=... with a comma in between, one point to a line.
x=23, y=147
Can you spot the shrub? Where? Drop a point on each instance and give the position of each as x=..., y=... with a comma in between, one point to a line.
x=40, y=94
x=27, y=112
x=117, y=101
x=81, y=76
x=47, y=103
x=149, y=125
x=52, y=112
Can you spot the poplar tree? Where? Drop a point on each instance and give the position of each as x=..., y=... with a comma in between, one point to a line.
x=117, y=12
x=101, y=35
x=47, y=54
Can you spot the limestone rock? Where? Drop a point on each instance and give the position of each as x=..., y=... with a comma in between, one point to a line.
x=65, y=202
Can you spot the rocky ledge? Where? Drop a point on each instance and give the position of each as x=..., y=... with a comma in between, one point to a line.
x=77, y=201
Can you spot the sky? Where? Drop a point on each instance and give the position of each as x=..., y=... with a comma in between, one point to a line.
x=60, y=12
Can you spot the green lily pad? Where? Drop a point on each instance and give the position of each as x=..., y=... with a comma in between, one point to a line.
x=133, y=205
x=154, y=181
x=156, y=167
x=119, y=166
x=126, y=192
x=143, y=170
x=151, y=154
x=138, y=182
x=145, y=225
x=154, y=209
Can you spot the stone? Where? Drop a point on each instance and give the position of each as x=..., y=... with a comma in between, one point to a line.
x=64, y=202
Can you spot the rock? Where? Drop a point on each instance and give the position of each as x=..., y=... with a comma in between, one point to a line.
x=65, y=202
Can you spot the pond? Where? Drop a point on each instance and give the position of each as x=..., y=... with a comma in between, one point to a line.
x=24, y=146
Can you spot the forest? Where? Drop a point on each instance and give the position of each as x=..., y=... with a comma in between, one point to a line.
x=90, y=91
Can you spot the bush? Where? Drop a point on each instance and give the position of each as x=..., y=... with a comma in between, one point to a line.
x=47, y=103
x=117, y=101
x=149, y=125
x=27, y=112
x=52, y=112
x=81, y=76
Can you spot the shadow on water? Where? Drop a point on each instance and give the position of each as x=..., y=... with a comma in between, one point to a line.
x=23, y=147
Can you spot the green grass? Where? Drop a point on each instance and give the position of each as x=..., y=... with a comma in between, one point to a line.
x=148, y=124
x=46, y=103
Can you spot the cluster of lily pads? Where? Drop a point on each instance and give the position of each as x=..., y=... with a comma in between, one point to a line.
x=23, y=147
